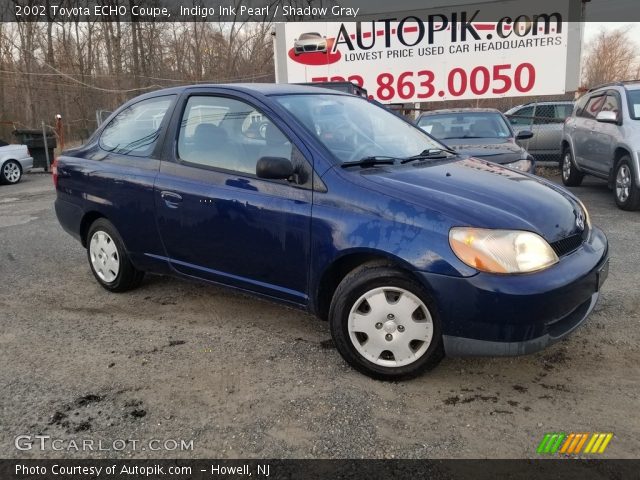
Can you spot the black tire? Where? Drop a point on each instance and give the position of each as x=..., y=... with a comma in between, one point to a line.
x=356, y=284
x=7, y=177
x=127, y=276
x=571, y=177
x=630, y=200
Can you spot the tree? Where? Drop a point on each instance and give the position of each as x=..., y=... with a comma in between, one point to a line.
x=611, y=56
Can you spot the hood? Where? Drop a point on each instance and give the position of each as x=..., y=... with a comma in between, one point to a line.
x=311, y=41
x=473, y=192
x=492, y=149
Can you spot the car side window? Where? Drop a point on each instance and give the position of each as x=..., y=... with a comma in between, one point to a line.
x=611, y=104
x=592, y=107
x=522, y=116
x=579, y=106
x=226, y=133
x=545, y=114
x=135, y=130
x=563, y=111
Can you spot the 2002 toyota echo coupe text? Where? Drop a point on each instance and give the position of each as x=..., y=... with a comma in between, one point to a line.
x=327, y=202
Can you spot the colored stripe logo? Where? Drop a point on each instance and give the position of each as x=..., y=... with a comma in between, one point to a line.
x=574, y=443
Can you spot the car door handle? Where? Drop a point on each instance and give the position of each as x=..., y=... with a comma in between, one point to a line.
x=171, y=199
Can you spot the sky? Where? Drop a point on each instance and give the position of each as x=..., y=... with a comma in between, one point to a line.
x=591, y=29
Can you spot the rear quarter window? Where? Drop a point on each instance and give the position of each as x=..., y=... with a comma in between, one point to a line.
x=633, y=96
x=135, y=130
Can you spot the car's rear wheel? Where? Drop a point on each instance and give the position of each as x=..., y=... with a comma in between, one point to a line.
x=571, y=177
x=385, y=324
x=626, y=190
x=109, y=260
x=11, y=172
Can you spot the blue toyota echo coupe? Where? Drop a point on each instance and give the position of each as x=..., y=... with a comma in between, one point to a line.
x=327, y=202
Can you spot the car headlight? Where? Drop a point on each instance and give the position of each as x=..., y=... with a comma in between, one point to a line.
x=501, y=251
x=587, y=217
x=522, y=165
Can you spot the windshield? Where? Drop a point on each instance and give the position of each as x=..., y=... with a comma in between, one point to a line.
x=353, y=129
x=634, y=103
x=465, y=125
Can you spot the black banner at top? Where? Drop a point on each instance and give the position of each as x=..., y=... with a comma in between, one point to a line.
x=307, y=10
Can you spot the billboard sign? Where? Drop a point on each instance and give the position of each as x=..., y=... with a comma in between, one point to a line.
x=436, y=56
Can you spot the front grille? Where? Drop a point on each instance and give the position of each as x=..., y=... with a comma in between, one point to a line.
x=310, y=48
x=569, y=244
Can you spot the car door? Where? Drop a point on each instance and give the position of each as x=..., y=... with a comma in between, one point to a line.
x=605, y=136
x=583, y=133
x=548, y=127
x=216, y=218
x=543, y=125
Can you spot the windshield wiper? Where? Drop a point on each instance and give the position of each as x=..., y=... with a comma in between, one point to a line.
x=367, y=162
x=429, y=153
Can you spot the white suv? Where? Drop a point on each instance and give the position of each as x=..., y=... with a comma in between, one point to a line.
x=602, y=138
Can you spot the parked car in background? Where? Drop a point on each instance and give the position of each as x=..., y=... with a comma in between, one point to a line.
x=14, y=161
x=545, y=120
x=602, y=138
x=308, y=43
x=345, y=210
x=479, y=132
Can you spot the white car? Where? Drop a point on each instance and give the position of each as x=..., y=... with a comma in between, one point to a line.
x=309, y=42
x=14, y=161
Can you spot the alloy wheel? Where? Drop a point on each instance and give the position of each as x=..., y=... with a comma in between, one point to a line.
x=566, y=166
x=11, y=172
x=623, y=183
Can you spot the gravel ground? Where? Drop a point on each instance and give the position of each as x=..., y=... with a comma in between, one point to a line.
x=242, y=377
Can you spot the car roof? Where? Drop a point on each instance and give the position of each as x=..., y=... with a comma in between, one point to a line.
x=267, y=89
x=549, y=102
x=625, y=84
x=459, y=110
x=261, y=88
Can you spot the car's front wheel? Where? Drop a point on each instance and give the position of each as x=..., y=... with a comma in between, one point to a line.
x=10, y=172
x=626, y=190
x=571, y=177
x=385, y=324
x=109, y=260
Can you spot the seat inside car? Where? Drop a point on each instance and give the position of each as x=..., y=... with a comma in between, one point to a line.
x=437, y=130
x=211, y=146
x=482, y=128
x=276, y=144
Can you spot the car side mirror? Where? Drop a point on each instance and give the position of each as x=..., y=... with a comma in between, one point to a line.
x=607, y=117
x=275, y=168
x=524, y=135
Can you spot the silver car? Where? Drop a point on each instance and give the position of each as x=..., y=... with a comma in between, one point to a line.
x=545, y=120
x=481, y=133
x=602, y=138
x=14, y=161
x=309, y=42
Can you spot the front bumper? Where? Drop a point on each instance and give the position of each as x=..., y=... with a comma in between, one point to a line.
x=492, y=315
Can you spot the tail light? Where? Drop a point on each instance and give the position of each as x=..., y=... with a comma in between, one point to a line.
x=54, y=172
